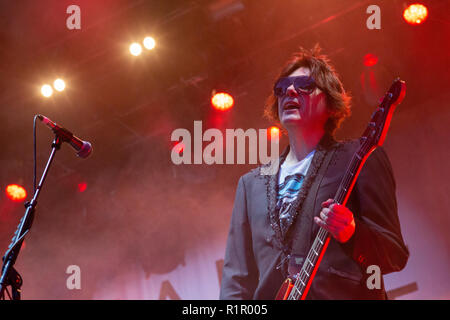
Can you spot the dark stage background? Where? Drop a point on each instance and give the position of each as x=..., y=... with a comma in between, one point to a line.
x=145, y=228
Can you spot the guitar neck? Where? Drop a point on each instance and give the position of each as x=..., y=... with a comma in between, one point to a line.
x=350, y=176
x=304, y=278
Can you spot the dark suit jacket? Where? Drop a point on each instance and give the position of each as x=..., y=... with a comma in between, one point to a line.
x=253, y=251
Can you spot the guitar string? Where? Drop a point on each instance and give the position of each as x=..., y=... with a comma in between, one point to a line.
x=322, y=234
x=301, y=276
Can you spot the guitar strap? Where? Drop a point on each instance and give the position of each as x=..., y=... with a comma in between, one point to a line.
x=301, y=231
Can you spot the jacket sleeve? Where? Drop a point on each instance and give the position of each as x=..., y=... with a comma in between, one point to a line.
x=377, y=239
x=240, y=274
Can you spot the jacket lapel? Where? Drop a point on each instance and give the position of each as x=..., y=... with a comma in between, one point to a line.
x=271, y=181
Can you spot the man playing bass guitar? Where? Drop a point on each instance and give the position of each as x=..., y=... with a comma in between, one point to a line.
x=276, y=216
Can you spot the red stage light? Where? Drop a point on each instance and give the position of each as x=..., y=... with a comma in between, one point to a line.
x=370, y=60
x=16, y=192
x=82, y=187
x=415, y=13
x=222, y=101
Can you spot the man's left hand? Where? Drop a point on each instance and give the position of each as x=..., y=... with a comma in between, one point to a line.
x=336, y=219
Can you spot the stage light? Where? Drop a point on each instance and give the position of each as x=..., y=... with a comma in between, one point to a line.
x=46, y=90
x=82, y=186
x=274, y=132
x=59, y=85
x=135, y=49
x=415, y=13
x=222, y=101
x=16, y=192
x=149, y=43
x=370, y=60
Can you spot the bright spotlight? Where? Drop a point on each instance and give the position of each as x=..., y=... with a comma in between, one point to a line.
x=415, y=13
x=370, y=60
x=16, y=192
x=46, y=90
x=274, y=132
x=149, y=43
x=135, y=49
x=222, y=101
x=59, y=85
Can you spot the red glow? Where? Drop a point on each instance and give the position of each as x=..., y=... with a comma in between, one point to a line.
x=274, y=132
x=222, y=101
x=82, y=186
x=288, y=291
x=415, y=13
x=370, y=60
x=16, y=192
x=179, y=147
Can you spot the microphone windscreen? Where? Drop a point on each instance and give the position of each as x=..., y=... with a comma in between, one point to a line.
x=85, y=150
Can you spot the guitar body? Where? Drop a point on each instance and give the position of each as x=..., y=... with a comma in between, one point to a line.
x=297, y=286
x=285, y=289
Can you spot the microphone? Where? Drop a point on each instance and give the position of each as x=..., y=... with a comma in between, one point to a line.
x=84, y=148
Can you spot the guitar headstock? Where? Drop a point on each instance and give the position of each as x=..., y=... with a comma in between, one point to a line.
x=379, y=123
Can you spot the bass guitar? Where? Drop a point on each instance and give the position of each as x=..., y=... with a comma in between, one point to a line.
x=296, y=287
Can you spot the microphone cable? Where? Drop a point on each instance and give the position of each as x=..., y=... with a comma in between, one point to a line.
x=34, y=152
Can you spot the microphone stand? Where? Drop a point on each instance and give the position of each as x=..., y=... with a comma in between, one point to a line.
x=9, y=276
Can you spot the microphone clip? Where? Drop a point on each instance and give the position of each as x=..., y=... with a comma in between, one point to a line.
x=62, y=134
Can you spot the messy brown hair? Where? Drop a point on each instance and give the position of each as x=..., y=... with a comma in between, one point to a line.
x=327, y=80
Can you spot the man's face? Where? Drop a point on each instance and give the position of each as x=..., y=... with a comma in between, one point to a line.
x=306, y=110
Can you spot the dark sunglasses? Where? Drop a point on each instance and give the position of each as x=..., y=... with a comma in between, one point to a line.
x=302, y=84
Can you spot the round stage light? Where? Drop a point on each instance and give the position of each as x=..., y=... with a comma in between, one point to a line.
x=135, y=49
x=415, y=13
x=82, y=186
x=370, y=60
x=59, y=85
x=149, y=43
x=16, y=192
x=222, y=101
x=46, y=90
